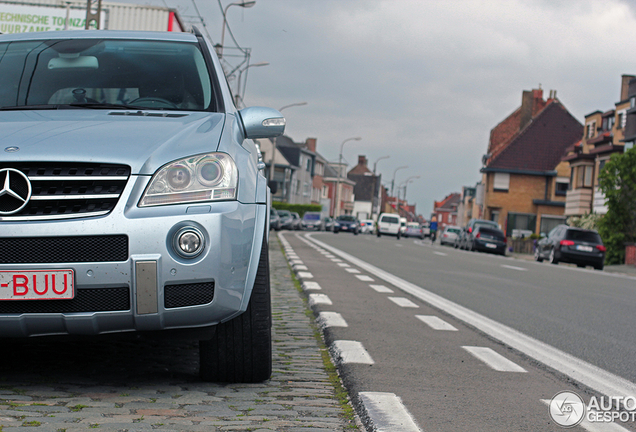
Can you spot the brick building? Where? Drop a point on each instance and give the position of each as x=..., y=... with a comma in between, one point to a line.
x=524, y=179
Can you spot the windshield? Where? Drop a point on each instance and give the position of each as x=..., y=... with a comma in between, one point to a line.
x=347, y=218
x=311, y=216
x=89, y=72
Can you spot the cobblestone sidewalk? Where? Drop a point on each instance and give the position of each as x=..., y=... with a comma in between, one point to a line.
x=89, y=392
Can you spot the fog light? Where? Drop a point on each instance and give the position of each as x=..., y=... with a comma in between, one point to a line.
x=189, y=242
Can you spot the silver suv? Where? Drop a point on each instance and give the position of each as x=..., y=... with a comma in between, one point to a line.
x=133, y=198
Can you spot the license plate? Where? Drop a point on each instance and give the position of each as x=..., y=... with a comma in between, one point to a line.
x=584, y=248
x=491, y=245
x=37, y=285
x=344, y=228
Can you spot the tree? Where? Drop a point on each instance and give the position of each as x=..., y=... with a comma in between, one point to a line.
x=617, y=180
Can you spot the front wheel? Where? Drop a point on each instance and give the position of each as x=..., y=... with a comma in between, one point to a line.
x=537, y=255
x=241, y=349
x=379, y=234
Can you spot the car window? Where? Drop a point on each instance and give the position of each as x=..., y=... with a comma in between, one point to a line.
x=390, y=219
x=585, y=236
x=311, y=216
x=494, y=233
x=150, y=74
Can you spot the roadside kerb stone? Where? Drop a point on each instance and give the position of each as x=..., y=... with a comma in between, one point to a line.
x=129, y=386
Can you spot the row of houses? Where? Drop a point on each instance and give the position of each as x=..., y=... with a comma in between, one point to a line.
x=300, y=175
x=542, y=164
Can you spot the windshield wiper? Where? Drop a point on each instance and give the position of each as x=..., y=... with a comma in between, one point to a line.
x=75, y=105
x=104, y=105
x=30, y=107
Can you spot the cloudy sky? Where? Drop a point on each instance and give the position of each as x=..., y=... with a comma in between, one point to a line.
x=423, y=81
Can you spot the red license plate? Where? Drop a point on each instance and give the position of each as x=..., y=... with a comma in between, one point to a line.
x=37, y=285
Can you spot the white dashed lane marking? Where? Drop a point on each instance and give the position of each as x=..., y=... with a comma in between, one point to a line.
x=316, y=299
x=311, y=285
x=331, y=319
x=344, y=265
x=381, y=288
x=346, y=351
x=365, y=278
x=387, y=412
x=435, y=323
x=403, y=302
x=305, y=275
x=440, y=253
x=493, y=359
x=514, y=268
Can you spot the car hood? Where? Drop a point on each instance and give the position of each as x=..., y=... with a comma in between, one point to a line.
x=142, y=140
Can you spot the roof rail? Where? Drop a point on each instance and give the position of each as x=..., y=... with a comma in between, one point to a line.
x=196, y=31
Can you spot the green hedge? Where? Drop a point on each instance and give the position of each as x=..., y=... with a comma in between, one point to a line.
x=301, y=209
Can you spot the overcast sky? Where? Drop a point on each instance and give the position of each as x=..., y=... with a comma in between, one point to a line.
x=422, y=81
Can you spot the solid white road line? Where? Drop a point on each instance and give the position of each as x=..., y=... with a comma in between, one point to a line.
x=592, y=376
x=493, y=359
x=311, y=285
x=316, y=299
x=331, y=319
x=352, y=270
x=346, y=351
x=403, y=302
x=595, y=427
x=365, y=278
x=381, y=288
x=435, y=323
x=514, y=268
x=304, y=275
x=387, y=412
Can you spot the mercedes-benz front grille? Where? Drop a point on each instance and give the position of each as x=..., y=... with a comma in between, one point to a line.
x=65, y=190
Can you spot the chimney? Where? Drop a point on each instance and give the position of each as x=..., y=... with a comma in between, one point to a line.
x=528, y=102
x=311, y=144
x=625, y=79
x=362, y=160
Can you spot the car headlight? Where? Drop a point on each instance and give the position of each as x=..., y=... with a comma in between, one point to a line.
x=208, y=177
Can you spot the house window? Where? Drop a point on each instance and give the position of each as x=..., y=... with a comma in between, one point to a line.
x=628, y=145
x=562, y=185
x=584, y=176
x=325, y=191
x=309, y=165
x=307, y=189
x=548, y=223
x=587, y=180
x=590, y=129
x=523, y=224
x=501, y=182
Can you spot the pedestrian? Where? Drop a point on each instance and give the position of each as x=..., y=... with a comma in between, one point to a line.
x=433, y=229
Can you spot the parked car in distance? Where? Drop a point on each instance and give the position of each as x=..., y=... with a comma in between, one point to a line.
x=285, y=219
x=347, y=223
x=426, y=229
x=367, y=226
x=296, y=221
x=388, y=224
x=572, y=245
x=488, y=239
x=313, y=221
x=449, y=235
x=136, y=190
x=328, y=223
x=274, y=219
x=466, y=236
x=413, y=229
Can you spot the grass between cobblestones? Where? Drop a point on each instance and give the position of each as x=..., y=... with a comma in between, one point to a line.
x=332, y=372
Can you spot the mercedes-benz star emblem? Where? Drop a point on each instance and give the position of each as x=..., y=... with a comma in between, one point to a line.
x=15, y=192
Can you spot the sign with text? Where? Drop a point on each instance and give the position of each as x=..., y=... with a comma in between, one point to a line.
x=25, y=18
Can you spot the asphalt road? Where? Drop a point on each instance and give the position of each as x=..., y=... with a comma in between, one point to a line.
x=441, y=377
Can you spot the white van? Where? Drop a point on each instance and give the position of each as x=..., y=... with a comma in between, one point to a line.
x=389, y=224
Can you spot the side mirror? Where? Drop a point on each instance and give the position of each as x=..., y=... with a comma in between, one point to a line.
x=273, y=186
x=262, y=122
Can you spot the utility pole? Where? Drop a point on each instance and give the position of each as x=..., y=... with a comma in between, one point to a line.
x=93, y=13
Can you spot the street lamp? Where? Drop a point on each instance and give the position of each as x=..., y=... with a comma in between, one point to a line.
x=336, y=212
x=238, y=95
x=405, y=183
x=243, y=4
x=375, y=199
x=393, y=181
x=271, y=161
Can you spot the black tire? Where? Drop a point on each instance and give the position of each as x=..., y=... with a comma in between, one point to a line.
x=355, y=232
x=537, y=255
x=241, y=349
x=398, y=235
x=599, y=267
x=553, y=259
x=379, y=234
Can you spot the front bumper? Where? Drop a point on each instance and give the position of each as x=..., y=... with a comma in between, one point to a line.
x=152, y=274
